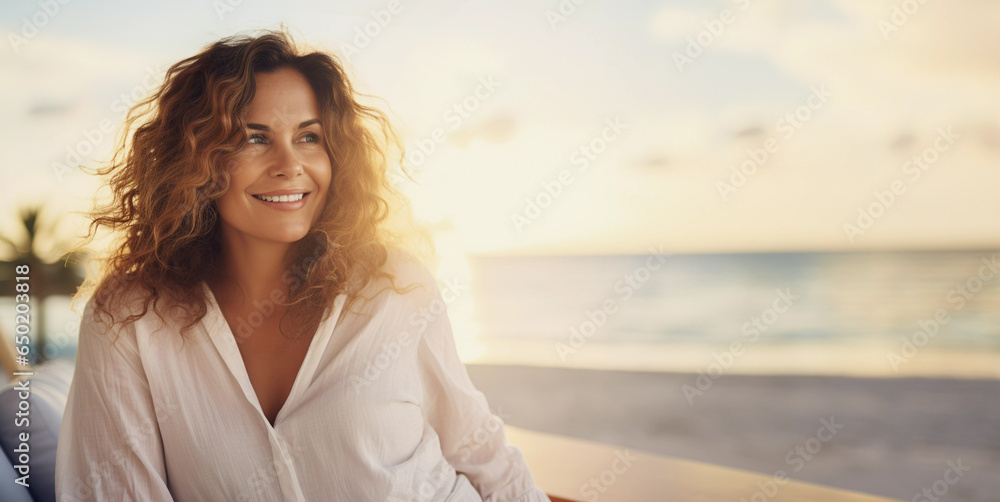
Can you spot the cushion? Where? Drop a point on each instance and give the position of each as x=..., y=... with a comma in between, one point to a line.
x=49, y=387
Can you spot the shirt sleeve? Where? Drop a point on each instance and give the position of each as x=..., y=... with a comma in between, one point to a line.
x=472, y=437
x=109, y=441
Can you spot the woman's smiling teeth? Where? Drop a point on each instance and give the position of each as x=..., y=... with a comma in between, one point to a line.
x=281, y=198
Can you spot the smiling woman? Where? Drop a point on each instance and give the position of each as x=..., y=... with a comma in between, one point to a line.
x=254, y=209
x=280, y=179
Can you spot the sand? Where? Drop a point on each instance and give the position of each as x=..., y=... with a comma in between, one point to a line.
x=893, y=437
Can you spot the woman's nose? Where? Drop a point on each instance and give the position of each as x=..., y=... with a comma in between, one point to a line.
x=285, y=162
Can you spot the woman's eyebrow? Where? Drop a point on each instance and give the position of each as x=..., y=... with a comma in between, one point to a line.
x=262, y=127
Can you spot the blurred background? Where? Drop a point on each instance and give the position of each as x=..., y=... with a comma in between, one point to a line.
x=697, y=229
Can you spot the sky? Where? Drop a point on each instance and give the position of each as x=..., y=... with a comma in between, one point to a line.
x=603, y=128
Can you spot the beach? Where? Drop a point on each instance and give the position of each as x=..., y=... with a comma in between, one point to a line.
x=892, y=437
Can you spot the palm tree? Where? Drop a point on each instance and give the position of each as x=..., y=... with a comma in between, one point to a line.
x=48, y=272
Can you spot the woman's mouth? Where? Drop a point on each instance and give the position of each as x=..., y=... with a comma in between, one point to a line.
x=288, y=202
x=281, y=198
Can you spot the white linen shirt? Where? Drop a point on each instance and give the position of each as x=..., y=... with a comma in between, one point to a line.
x=381, y=409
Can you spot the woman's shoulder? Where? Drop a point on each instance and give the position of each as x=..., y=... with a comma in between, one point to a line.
x=402, y=277
x=405, y=263
x=114, y=296
x=408, y=270
x=115, y=301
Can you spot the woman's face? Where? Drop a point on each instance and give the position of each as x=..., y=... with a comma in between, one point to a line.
x=280, y=179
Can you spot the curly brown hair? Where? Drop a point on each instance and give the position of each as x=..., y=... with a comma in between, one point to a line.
x=167, y=172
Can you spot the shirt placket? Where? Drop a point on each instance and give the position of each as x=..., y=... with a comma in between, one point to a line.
x=285, y=467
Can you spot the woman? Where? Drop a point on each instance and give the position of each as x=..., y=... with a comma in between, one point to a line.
x=248, y=338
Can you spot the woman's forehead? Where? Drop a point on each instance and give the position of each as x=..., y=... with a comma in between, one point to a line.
x=281, y=98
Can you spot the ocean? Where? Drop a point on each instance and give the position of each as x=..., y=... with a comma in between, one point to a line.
x=771, y=298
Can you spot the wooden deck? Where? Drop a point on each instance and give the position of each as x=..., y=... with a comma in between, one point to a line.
x=570, y=469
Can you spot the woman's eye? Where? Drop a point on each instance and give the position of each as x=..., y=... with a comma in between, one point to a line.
x=256, y=139
x=311, y=137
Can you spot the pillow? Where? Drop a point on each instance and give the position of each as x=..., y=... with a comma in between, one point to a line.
x=9, y=490
x=48, y=388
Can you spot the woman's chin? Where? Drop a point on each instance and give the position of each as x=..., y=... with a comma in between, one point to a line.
x=286, y=236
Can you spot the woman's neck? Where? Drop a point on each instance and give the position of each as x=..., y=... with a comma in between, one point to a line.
x=252, y=272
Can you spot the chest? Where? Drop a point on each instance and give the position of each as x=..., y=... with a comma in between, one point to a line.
x=272, y=360
x=364, y=398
